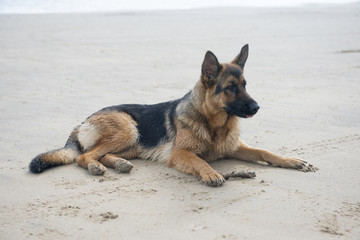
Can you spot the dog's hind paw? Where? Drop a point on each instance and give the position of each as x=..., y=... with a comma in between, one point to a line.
x=96, y=168
x=123, y=166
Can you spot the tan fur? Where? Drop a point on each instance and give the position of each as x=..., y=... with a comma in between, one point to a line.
x=246, y=153
x=64, y=156
x=118, y=132
x=160, y=153
x=204, y=132
x=188, y=162
x=207, y=132
x=116, y=162
x=202, y=129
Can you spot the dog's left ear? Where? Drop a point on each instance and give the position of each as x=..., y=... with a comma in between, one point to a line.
x=210, y=69
x=242, y=57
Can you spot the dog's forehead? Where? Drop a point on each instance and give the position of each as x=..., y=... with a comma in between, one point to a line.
x=233, y=70
x=231, y=73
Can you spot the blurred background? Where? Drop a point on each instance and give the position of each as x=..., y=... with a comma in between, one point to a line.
x=66, y=6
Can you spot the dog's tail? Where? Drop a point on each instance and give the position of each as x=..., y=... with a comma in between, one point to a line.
x=61, y=156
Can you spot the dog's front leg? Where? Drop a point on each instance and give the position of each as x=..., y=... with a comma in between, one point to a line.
x=188, y=162
x=244, y=152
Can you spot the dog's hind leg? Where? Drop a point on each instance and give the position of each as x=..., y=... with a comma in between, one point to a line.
x=121, y=165
x=89, y=161
x=97, y=158
x=104, y=133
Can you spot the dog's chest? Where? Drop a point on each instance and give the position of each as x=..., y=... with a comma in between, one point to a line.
x=222, y=142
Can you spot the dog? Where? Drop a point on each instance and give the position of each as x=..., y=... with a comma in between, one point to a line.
x=186, y=133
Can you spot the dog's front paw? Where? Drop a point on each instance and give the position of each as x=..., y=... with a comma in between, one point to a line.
x=212, y=178
x=298, y=164
x=306, y=167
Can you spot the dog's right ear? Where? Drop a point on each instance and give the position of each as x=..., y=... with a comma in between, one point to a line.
x=210, y=69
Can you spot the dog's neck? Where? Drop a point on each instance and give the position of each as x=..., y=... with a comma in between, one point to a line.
x=216, y=117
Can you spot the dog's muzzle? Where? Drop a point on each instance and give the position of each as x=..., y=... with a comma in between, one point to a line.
x=243, y=110
x=253, y=108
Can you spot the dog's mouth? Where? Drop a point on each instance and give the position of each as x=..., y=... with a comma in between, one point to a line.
x=240, y=113
x=245, y=115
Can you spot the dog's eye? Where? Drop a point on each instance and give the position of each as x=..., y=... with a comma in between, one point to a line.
x=231, y=88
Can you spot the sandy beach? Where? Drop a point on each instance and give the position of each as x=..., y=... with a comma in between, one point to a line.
x=303, y=70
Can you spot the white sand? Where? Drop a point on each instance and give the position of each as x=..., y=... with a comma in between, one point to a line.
x=55, y=70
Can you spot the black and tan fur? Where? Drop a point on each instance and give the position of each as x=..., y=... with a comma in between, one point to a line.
x=185, y=134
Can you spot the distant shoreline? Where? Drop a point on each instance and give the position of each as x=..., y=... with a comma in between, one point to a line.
x=16, y=9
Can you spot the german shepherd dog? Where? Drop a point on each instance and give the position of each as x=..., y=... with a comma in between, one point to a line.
x=186, y=133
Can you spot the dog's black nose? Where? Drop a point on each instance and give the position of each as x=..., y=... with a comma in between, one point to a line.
x=253, y=107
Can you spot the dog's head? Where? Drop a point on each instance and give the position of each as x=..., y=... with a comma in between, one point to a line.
x=225, y=86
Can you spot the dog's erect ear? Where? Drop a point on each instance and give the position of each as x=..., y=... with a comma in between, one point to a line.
x=242, y=57
x=210, y=69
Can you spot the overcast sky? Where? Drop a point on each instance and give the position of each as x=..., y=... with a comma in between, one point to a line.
x=48, y=6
